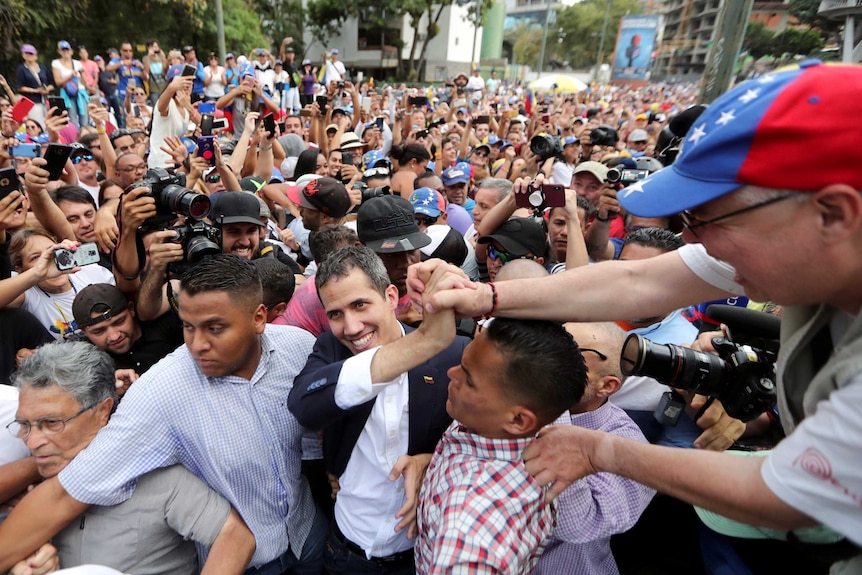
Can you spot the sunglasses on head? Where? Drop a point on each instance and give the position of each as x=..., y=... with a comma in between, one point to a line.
x=80, y=157
x=502, y=256
x=376, y=172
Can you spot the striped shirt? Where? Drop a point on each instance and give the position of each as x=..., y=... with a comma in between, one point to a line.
x=592, y=509
x=235, y=434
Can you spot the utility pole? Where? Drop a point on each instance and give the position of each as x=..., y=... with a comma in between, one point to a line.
x=602, y=39
x=730, y=28
x=219, y=14
x=544, y=39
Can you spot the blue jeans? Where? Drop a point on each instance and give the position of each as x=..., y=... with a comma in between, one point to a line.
x=310, y=561
x=114, y=104
x=339, y=560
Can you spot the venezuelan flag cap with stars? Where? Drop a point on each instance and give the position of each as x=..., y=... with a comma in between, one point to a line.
x=790, y=130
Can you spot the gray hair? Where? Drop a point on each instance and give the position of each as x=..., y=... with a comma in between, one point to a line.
x=751, y=195
x=79, y=368
x=501, y=186
x=342, y=260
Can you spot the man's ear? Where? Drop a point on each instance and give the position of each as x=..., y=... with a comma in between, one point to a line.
x=607, y=386
x=521, y=422
x=840, y=209
x=279, y=308
x=259, y=319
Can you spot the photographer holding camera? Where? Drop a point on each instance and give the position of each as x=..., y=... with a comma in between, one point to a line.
x=791, y=236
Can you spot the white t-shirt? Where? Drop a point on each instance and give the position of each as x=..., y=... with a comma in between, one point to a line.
x=174, y=124
x=816, y=469
x=215, y=89
x=712, y=271
x=334, y=71
x=54, y=311
x=65, y=73
x=563, y=173
x=11, y=448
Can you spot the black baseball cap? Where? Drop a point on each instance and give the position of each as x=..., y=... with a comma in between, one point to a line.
x=105, y=299
x=235, y=208
x=519, y=237
x=386, y=225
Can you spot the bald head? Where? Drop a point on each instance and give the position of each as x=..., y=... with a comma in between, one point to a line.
x=521, y=269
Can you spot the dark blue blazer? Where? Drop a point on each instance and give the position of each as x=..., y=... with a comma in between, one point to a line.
x=312, y=400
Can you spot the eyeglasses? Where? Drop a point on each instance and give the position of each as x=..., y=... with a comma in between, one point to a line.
x=482, y=153
x=602, y=357
x=425, y=221
x=80, y=157
x=138, y=168
x=692, y=222
x=21, y=428
x=504, y=257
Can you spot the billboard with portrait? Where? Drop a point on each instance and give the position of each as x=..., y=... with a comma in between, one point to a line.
x=637, y=41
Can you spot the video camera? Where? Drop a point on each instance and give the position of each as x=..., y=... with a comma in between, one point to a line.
x=742, y=375
x=625, y=176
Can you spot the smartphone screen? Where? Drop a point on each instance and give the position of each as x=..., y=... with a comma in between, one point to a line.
x=207, y=108
x=206, y=124
x=56, y=156
x=321, y=103
x=58, y=103
x=379, y=121
x=269, y=124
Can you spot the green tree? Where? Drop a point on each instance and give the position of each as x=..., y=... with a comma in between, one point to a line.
x=526, y=44
x=806, y=12
x=795, y=41
x=759, y=41
x=580, y=27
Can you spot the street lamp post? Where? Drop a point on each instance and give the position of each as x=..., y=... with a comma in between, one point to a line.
x=544, y=39
x=602, y=39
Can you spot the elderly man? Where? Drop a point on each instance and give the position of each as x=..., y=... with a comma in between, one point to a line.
x=217, y=406
x=743, y=197
x=66, y=396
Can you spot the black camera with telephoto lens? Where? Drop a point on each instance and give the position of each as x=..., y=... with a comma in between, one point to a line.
x=375, y=192
x=172, y=196
x=199, y=240
x=604, y=135
x=742, y=375
x=546, y=146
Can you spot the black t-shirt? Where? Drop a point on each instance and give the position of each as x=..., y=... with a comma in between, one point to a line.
x=24, y=77
x=158, y=338
x=268, y=250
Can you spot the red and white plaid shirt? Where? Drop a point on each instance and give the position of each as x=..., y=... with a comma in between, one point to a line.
x=479, y=509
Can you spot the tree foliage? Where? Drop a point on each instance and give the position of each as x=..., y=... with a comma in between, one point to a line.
x=806, y=12
x=100, y=24
x=760, y=42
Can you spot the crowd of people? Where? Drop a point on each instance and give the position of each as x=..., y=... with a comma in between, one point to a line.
x=312, y=325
